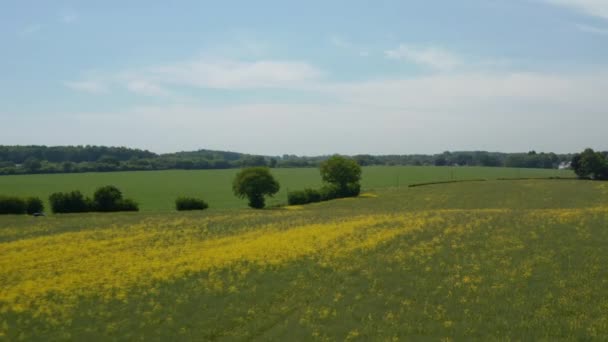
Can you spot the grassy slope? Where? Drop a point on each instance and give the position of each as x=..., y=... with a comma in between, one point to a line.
x=492, y=260
x=157, y=190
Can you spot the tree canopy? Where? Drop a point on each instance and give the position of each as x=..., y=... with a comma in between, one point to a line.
x=255, y=183
x=590, y=164
x=340, y=171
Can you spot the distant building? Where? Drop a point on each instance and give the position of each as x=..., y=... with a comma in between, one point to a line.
x=565, y=165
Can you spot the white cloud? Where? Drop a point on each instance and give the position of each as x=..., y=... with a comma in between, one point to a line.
x=504, y=111
x=598, y=8
x=592, y=29
x=204, y=73
x=430, y=56
x=229, y=74
x=93, y=87
x=146, y=88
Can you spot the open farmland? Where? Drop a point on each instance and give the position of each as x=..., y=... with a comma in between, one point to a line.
x=488, y=260
x=157, y=190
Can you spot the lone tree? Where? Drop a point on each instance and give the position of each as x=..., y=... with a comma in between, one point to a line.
x=343, y=173
x=254, y=183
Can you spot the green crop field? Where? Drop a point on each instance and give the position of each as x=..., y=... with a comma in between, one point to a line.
x=157, y=190
x=494, y=260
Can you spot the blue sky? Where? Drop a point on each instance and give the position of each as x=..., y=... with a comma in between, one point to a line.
x=314, y=77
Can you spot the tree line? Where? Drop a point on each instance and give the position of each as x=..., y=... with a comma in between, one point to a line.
x=77, y=159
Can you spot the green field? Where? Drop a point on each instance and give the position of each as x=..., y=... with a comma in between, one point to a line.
x=495, y=260
x=157, y=190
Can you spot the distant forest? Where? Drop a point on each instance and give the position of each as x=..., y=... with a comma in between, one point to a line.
x=72, y=159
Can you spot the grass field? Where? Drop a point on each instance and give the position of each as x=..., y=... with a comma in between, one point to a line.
x=157, y=190
x=496, y=260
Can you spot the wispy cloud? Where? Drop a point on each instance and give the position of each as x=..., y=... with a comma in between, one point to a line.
x=68, y=16
x=592, y=29
x=598, y=8
x=30, y=29
x=464, y=109
x=430, y=56
x=231, y=74
x=146, y=88
x=90, y=86
x=205, y=73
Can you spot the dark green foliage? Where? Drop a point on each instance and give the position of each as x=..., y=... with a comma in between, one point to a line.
x=18, y=206
x=343, y=176
x=106, y=199
x=297, y=197
x=70, y=202
x=312, y=195
x=127, y=204
x=340, y=171
x=190, y=203
x=329, y=192
x=32, y=165
x=33, y=205
x=78, y=159
x=251, y=161
x=303, y=197
x=12, y=205
x=590, y=164
x=254, y=183
x=109, y=199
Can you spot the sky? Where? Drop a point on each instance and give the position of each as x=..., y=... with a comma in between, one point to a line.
x=306, y=77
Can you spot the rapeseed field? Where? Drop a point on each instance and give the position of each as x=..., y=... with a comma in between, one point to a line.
x=375, y=267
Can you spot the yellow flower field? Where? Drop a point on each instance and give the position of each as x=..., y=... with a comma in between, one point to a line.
x=310, y=273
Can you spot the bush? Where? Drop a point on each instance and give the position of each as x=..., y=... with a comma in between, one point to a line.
x=107, y=198
x=70, y=202
x=303, y=197
x=12, y=205
x=190, y=203
x=351, y=190
x=313, y=195
x=127, y=205
x=33, y=205
x=297, y=197
x=329, y=192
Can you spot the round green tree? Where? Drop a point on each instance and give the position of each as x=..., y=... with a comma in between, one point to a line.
x=255, y=183
x=341, y=172
x=107, y=198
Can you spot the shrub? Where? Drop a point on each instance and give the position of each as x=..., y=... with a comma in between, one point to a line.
x=351, y=190
x=303, y=197
x=70, y=202
x=329, y=192
x=127, y=205
x=108, y=198
x=12, y=205
x=190, y=203
x=297, y=197
x=33, y=205
x=313, y=195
